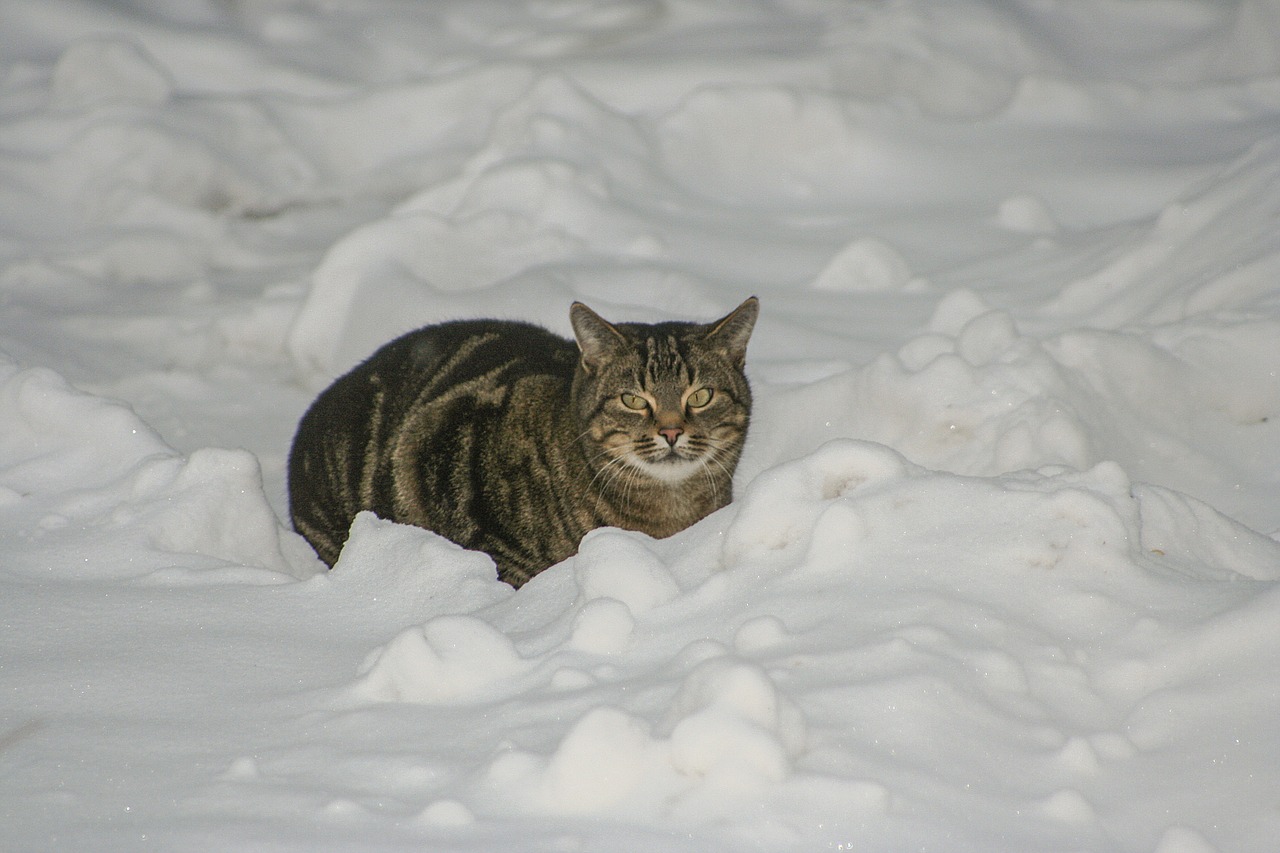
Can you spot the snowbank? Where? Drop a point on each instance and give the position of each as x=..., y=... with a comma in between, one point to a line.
x=1002, y=569
x=838, y=648
x=85, y=481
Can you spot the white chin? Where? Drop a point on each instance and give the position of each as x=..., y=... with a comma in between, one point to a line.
x=672, y=471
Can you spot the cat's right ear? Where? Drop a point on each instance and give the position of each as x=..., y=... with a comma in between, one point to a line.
x=597, y=338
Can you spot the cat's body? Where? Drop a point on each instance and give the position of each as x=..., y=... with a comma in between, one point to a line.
x=508, y=439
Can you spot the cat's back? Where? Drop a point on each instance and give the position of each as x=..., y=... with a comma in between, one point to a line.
x=425, y=401
x=483, y=360
x=470, y=353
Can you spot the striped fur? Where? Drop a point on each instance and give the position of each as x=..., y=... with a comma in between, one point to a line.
x=508, y=439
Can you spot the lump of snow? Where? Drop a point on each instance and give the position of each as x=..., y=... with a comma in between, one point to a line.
x=446, y=813
x=449, y=659
x=955, y=310
x=1027, y=214
x=75, y=457
x=603, y=626
x=986, y=338
x=415, y=570
x=244, y=768
x=865, y=265
x=1180, y=530
x=1183, y=839
x=1068, y=806
x=730, y=718
x=599, y=764
x=777, y=513
x=727, y=729
x=759, y=633
x=106, y=70
x=975, y=396
x=55, y=438
x=600, y=761
x=790, y=145
x=215, y=506
x=407, y=270
x=616, y=564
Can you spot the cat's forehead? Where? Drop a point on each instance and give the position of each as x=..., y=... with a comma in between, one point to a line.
x=664, y=360
x=664, y=352
x=671, y=330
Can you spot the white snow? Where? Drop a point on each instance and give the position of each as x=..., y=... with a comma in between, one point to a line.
x=1003, y=570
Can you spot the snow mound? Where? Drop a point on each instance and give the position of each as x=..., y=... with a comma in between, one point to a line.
x=613, y=564
x=520, y=209
x=1165, y=270
x=102, y=70
x=429, y=574
x=728, y=720
x=867, y=265
x=726, y=733
x=78, y=471
x=884, y=585
x=450, y=658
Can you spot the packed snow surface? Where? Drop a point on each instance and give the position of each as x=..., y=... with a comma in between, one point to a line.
x=1002, y=569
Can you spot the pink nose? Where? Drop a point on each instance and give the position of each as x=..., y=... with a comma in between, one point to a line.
x=671, y=434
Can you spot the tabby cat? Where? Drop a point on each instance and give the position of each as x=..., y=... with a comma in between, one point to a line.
x=510, y=440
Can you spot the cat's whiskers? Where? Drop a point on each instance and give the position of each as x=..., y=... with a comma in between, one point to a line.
x=633, y=477
x=708, y=460
x=605, y=471
x=705, y=469
x=620, y=476
x=717, y=448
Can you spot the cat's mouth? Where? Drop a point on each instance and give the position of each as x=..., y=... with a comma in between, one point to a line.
x=670, y=465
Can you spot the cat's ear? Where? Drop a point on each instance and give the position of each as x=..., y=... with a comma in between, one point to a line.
x=730, y=334
x=597, y=338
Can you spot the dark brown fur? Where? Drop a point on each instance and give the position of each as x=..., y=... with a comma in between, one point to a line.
x=508, y=439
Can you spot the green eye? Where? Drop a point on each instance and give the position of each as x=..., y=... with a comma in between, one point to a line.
x=634, y=402
x=699, y=398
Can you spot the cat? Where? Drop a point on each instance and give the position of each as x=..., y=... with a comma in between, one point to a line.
x=508, y=439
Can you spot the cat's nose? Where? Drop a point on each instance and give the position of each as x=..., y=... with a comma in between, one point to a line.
x=671, y=434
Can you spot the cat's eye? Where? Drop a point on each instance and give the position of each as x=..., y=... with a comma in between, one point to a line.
x=634, y=402
x=699, y=398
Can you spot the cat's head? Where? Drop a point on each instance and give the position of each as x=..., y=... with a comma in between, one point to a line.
x=669, y=400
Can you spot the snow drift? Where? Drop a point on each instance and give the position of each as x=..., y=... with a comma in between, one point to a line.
x=1002, y=569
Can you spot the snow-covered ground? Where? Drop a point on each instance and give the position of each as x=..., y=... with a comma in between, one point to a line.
x=1001, y=574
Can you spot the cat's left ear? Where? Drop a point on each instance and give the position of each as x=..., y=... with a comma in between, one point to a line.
x=730, y=334
x=597, y=338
